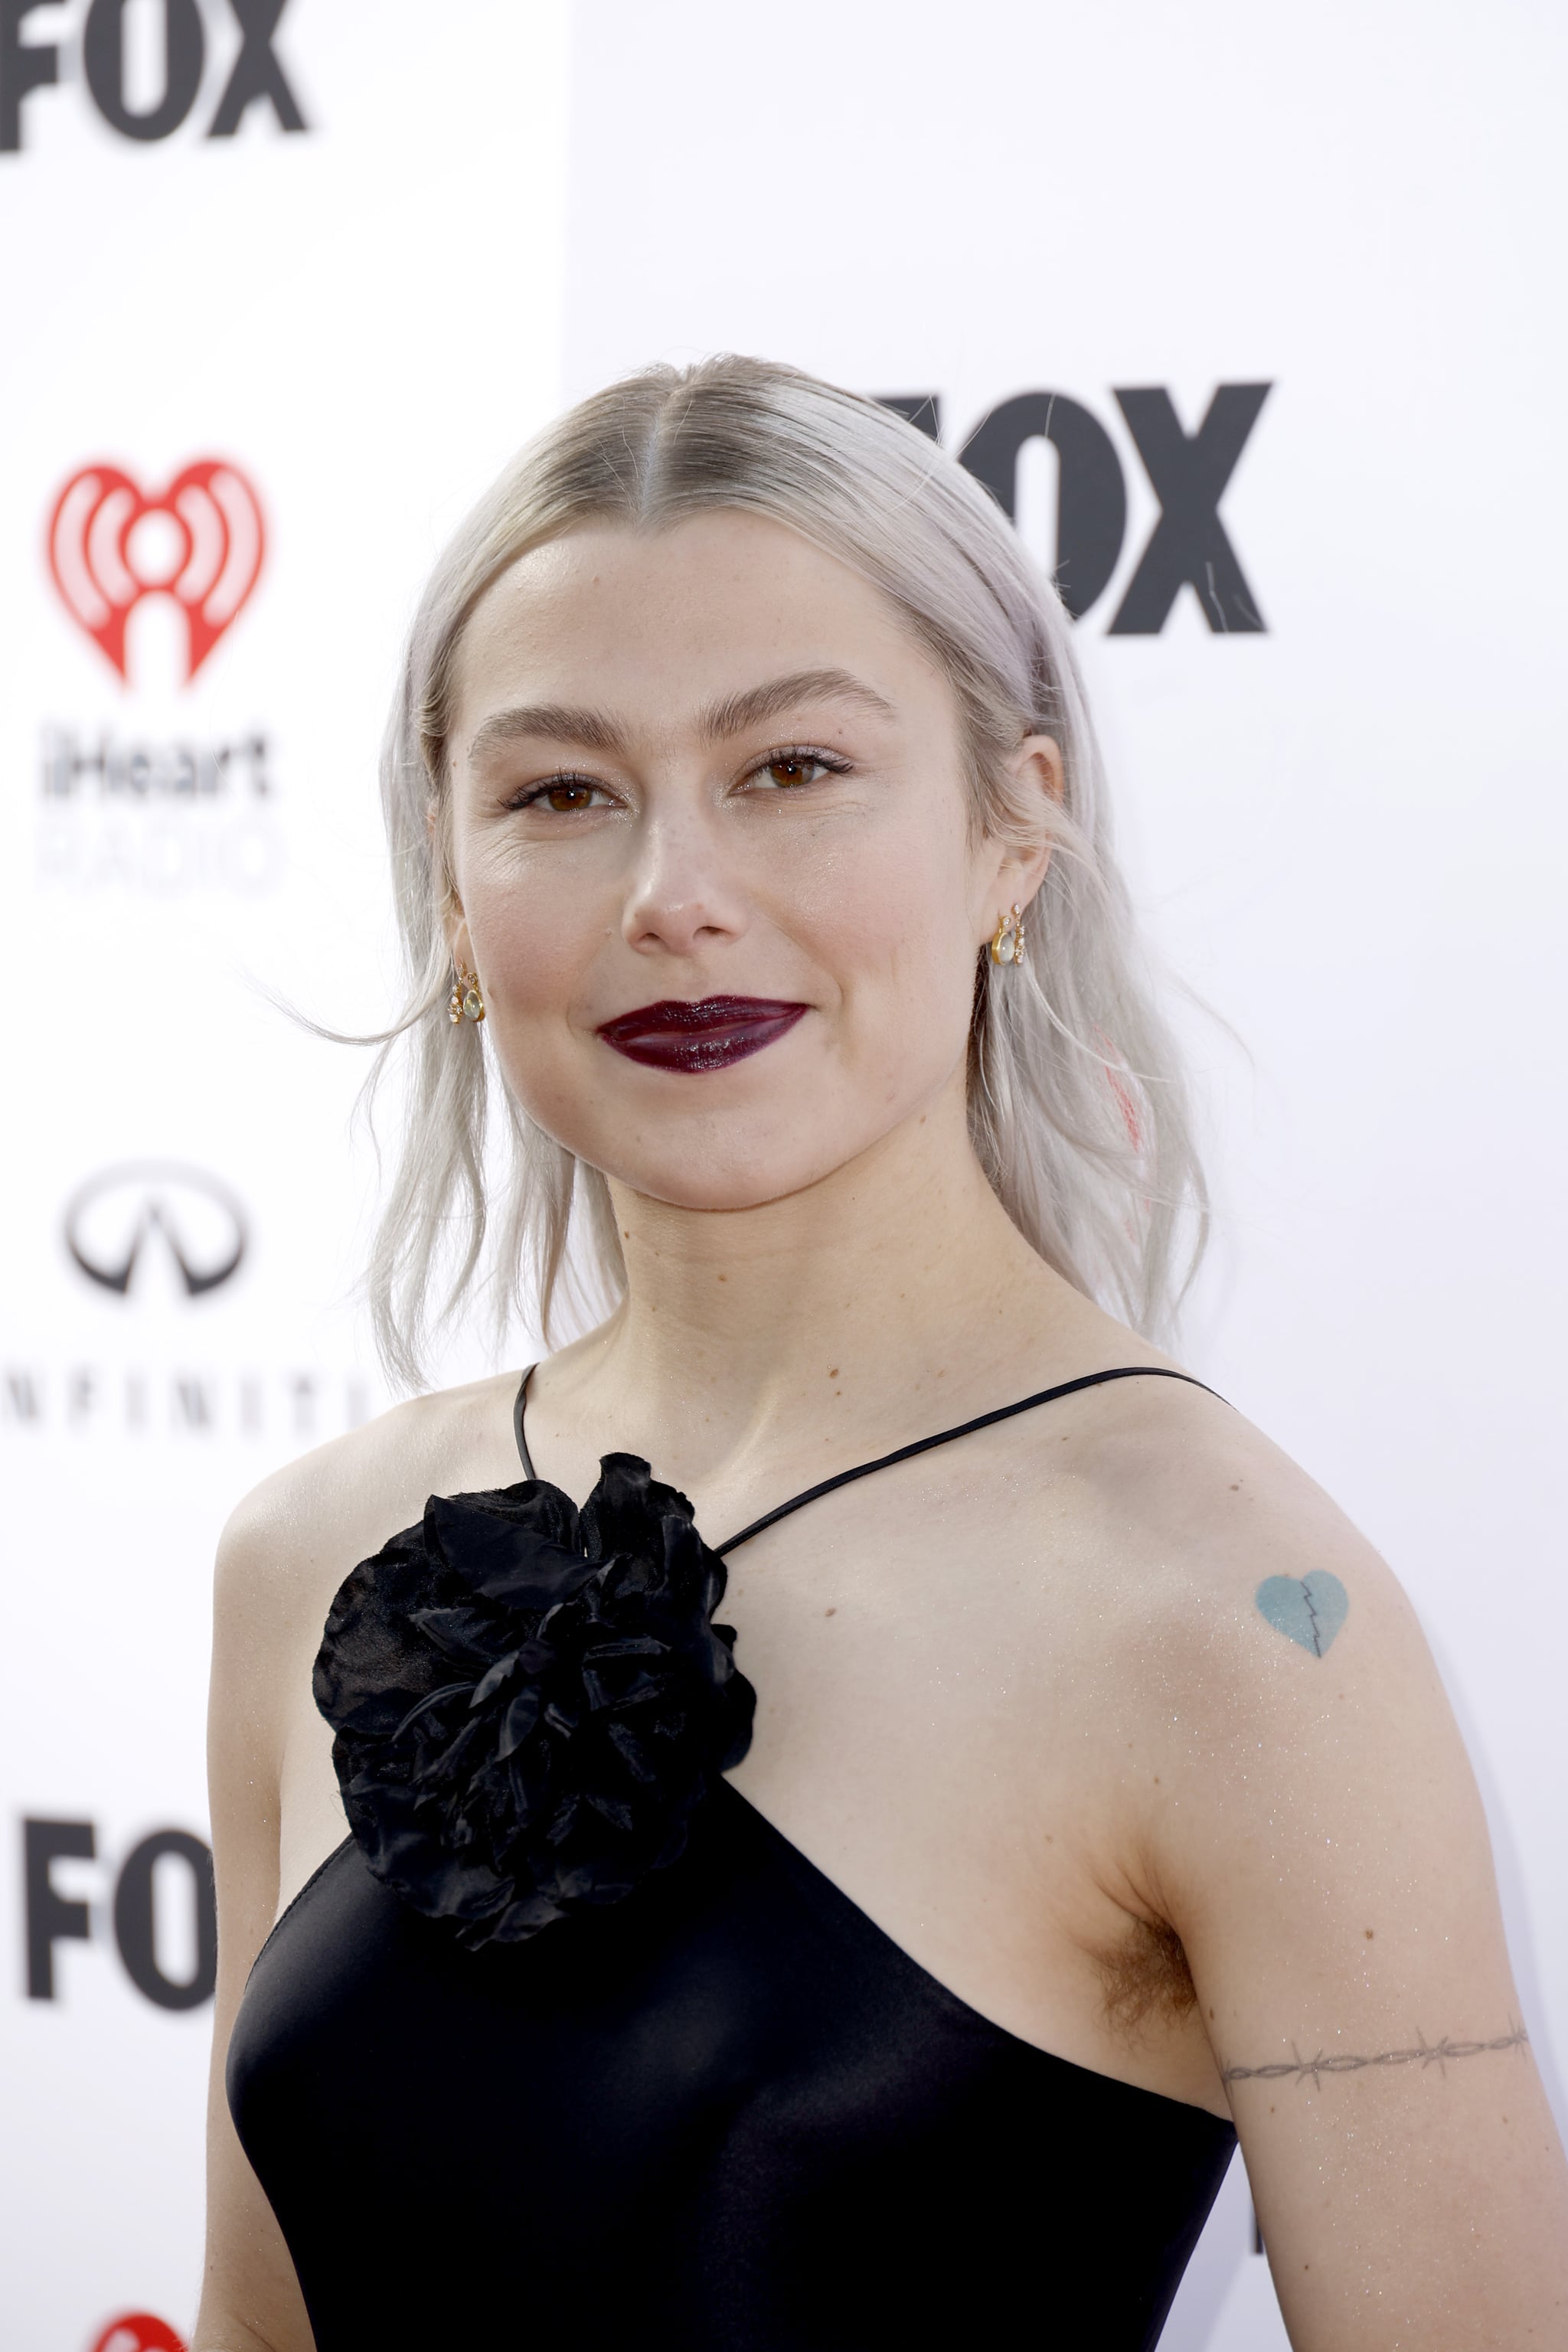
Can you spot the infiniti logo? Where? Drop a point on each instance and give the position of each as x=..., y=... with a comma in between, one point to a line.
x=193, y=1217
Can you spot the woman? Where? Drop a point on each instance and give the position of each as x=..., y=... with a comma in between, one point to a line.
x=894, y=1961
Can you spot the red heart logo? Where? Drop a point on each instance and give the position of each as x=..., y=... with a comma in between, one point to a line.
x=201, y=541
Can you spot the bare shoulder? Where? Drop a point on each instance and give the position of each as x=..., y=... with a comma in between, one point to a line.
x=291, y=1541
x=1236, y=1561
x=1279, y=1694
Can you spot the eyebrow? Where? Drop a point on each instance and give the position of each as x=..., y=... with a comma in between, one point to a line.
x=732, y=714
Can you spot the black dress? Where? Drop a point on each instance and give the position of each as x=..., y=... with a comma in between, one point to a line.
x=566, y=2045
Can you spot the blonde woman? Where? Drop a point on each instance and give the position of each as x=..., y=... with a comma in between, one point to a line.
x=1062, y=1786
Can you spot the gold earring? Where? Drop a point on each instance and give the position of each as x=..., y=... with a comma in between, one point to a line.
x=1007, y=946
x=467, y=1001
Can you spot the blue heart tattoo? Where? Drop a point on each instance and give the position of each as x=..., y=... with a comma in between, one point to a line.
x=1308, y=1608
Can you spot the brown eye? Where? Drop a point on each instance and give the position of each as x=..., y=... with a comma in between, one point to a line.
x=564, y=798
x=789, y=770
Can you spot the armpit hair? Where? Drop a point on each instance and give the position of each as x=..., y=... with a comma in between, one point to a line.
x=1145, y=1979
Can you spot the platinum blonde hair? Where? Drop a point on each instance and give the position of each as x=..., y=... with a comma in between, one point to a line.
x=1078, y=1105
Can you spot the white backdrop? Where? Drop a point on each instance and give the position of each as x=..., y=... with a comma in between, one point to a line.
x=1346, y=827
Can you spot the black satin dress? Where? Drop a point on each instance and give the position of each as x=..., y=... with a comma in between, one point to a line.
x=566, y=2047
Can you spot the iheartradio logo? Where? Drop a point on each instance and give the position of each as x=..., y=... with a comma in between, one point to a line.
x=200, y=541
x=138, y=2331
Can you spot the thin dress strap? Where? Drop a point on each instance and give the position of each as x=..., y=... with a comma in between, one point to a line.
x=904, y=1452
x=523, y=1455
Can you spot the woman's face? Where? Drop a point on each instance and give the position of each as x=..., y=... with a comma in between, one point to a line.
x=711, y=842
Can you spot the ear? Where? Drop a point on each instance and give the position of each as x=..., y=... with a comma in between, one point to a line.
x=1039, y=781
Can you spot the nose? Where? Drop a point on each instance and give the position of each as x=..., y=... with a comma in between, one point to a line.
x=682, y=898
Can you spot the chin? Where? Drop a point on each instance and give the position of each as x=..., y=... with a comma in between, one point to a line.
x=717, y=1160
x=716, y=1164
x=705, y=1183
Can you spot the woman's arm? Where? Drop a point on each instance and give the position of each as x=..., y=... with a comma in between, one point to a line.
x=250, y=2297
x=1316, y=1837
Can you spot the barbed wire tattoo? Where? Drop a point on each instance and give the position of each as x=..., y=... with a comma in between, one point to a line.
x=1424, y=2053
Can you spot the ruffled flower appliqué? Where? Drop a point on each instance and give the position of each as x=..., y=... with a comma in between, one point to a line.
x=530, y=1702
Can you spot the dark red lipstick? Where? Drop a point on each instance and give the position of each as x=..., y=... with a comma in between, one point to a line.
x=707, y=1035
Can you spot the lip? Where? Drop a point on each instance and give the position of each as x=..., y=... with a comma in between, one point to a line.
x=707, y=1035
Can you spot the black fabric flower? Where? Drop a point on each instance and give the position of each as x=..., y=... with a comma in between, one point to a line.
x=530, y=1702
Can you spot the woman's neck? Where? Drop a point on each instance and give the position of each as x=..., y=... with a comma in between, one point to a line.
x=756, y=1331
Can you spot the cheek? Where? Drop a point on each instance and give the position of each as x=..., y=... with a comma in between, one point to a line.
x=904, y=925
x=530, y=960
x=534, y=949
x=532, y=939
